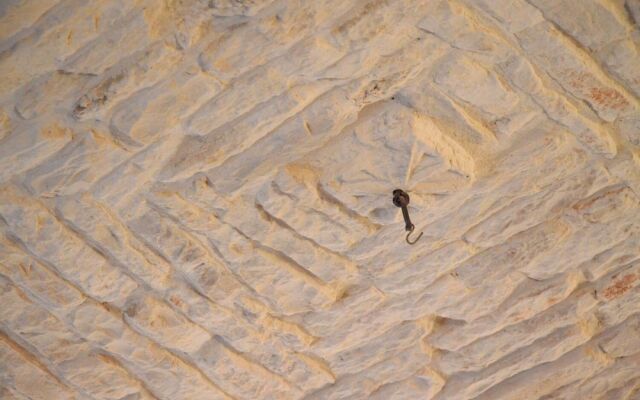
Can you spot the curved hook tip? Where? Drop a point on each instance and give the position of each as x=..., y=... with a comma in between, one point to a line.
x=416, y=239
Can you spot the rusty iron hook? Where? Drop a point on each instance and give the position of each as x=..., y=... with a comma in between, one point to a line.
x=413, y=242
x=401, y=200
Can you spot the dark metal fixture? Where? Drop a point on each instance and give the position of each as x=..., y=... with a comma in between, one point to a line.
x=401, y=199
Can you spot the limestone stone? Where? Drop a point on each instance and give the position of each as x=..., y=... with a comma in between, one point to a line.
x=195, y=199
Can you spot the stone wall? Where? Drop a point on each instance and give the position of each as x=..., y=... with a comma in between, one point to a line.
x=195, y=199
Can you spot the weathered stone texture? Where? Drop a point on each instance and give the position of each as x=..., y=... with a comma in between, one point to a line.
x=195, y=199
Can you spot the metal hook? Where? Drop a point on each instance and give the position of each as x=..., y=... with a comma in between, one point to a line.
x=418, y=238
x=401, y=200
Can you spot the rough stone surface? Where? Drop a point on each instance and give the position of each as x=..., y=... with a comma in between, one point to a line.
x=195, y=199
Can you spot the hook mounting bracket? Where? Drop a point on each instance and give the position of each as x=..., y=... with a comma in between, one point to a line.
x=401, y=199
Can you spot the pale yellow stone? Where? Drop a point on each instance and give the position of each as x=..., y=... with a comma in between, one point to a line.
x=195, y=199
